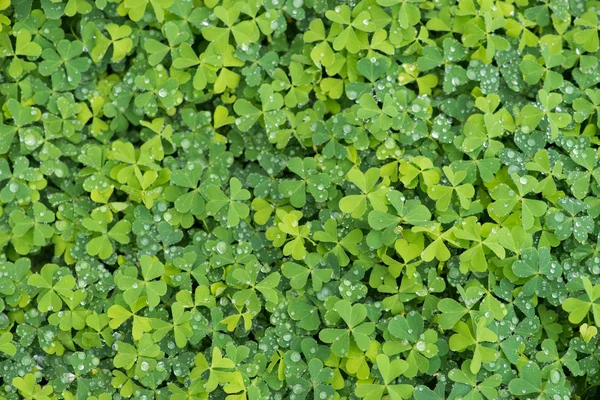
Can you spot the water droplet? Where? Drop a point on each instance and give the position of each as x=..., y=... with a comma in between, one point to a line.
x=555, y=376
x=559, y=217
x=30, y=139
x=221, y=247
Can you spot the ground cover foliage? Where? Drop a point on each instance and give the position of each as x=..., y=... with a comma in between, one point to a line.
x=300, y=199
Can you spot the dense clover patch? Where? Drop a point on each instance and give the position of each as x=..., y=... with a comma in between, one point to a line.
x=299, y=199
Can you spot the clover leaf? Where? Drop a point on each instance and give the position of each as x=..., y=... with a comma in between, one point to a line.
x=529, y=381
x=579, y=307
x=390, y=370
x=507, y=199
x=101, y=245
x=466, y=336
x=315, y=183
x=216, y=201
x=136, y=9
x=358, y=331
x=133, y=288
x=119, y=40
x=382, y=199
x=443, y=194
x=357, y=204
x=299, y=274
x=52, y=283
x=348, y=243
x=30, y=389
x=66, y=55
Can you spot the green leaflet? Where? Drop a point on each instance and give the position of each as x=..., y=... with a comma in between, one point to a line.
x=244, y=200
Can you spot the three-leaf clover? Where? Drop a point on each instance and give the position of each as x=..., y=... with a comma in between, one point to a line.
x=244, y=32
x=564, y=224
x=143, y=356
x=133, y=287
x=192, y=201
x=30, y=389
x=354, y=36
x=349, y=243
x=101, y=245
x=420, y=343
x=136, y=8
x=411, y=212
x=216, y=201
x=299, y=274
x=476, y=336
x=464, y=376
x=34, y=226
x=443, y=194
x=67, y=56
x=247, y=279
x=357, y=330
x=528, y=382
x=389, y=370
x=316, y=183
x=356, y=204
x=24, y=47
x=121, y=43
x=506, y=199
x=579, y=307
x=52, y=282
x=287, y=224
x=537, y=265
x=530, y=115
